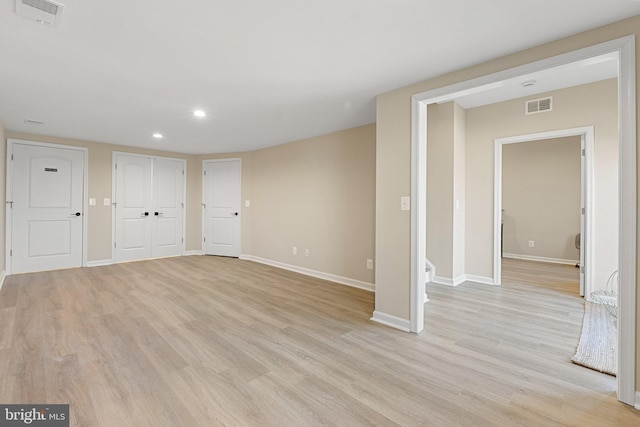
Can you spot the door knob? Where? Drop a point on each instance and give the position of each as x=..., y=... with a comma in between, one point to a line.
x=235, y=214
x=76, y=214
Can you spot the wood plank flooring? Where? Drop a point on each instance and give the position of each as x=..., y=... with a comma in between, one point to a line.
x=207, y=341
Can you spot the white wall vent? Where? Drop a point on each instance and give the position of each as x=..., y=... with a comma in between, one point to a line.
x=538, y=105
x=42, y=11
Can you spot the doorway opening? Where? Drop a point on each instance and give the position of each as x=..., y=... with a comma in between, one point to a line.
x=561, y=193
x=624, y=51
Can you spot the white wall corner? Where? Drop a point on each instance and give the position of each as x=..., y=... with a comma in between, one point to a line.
x=99, y=263
x=2, y=277
x=459, y=280
x=392, y=321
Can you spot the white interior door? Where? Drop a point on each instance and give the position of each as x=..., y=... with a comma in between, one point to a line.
x=132, y=208
x=168, y=208
x=46, y=218
x=221, y=207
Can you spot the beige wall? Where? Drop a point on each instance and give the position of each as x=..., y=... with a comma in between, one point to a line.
x=317, y=194
x=541, y=198
x=594, y=105
x=459, y=192
x=440, y=188
x=100, y=183
x=393, y=166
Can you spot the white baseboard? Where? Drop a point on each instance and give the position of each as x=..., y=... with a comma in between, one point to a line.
x=637, y=405
x=2, y=277
x=541, y=259
x=461, y=279
x=479, y=279
x=196, y=252
x=313, y=273
x=449, y=282
x=393, y=321
x=99, y=263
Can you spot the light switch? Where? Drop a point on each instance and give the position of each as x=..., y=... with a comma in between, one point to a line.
x=247, y=203
x=92, y=201
x=107, y=202
x=405, y=203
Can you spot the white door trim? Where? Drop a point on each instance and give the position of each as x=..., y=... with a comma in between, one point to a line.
x=625, y=48
x=115, y=154
x=586, y=176
x=9, y=195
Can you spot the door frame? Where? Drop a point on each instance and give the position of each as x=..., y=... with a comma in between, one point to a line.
x=586, y=135
x=624, y=47
x=115, y=154
x=202, y=204
x=9, y=194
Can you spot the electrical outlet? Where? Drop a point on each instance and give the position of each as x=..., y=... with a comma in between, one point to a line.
x=370, y=264
x=294, y=250
x=306, y=252
x=531, y=243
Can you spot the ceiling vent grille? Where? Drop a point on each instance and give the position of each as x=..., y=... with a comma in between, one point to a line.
x=43, y=11
x=538, y=105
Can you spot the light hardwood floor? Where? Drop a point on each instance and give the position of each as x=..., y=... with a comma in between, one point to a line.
x=206, y=341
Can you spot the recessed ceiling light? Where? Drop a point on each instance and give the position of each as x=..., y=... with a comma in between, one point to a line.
x=199, y=113
x=158, y=135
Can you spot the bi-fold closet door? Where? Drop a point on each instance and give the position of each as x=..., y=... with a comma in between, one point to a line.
x=148, y=208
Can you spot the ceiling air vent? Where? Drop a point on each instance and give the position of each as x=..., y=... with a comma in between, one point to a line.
x=538, y=105
x=42, y=11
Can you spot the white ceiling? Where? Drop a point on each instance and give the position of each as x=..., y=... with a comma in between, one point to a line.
x=266, y=71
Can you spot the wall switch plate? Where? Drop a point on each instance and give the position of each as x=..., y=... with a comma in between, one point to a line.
x=370, y=264
x=294, y=250
x=247, y=203
x=107, y=202
x=405, y=203
x=92, y=201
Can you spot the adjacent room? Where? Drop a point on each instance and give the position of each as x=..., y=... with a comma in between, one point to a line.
x=277, y=214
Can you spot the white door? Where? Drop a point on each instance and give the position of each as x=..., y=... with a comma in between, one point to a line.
x=221, y=195
x=46, y=219
x=132, y=208
x=168, y=208
x=149, y=207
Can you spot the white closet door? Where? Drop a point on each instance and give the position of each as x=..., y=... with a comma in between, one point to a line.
x=133, y=223
x=168, y=189
x=149, y=210
x=46, y=225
